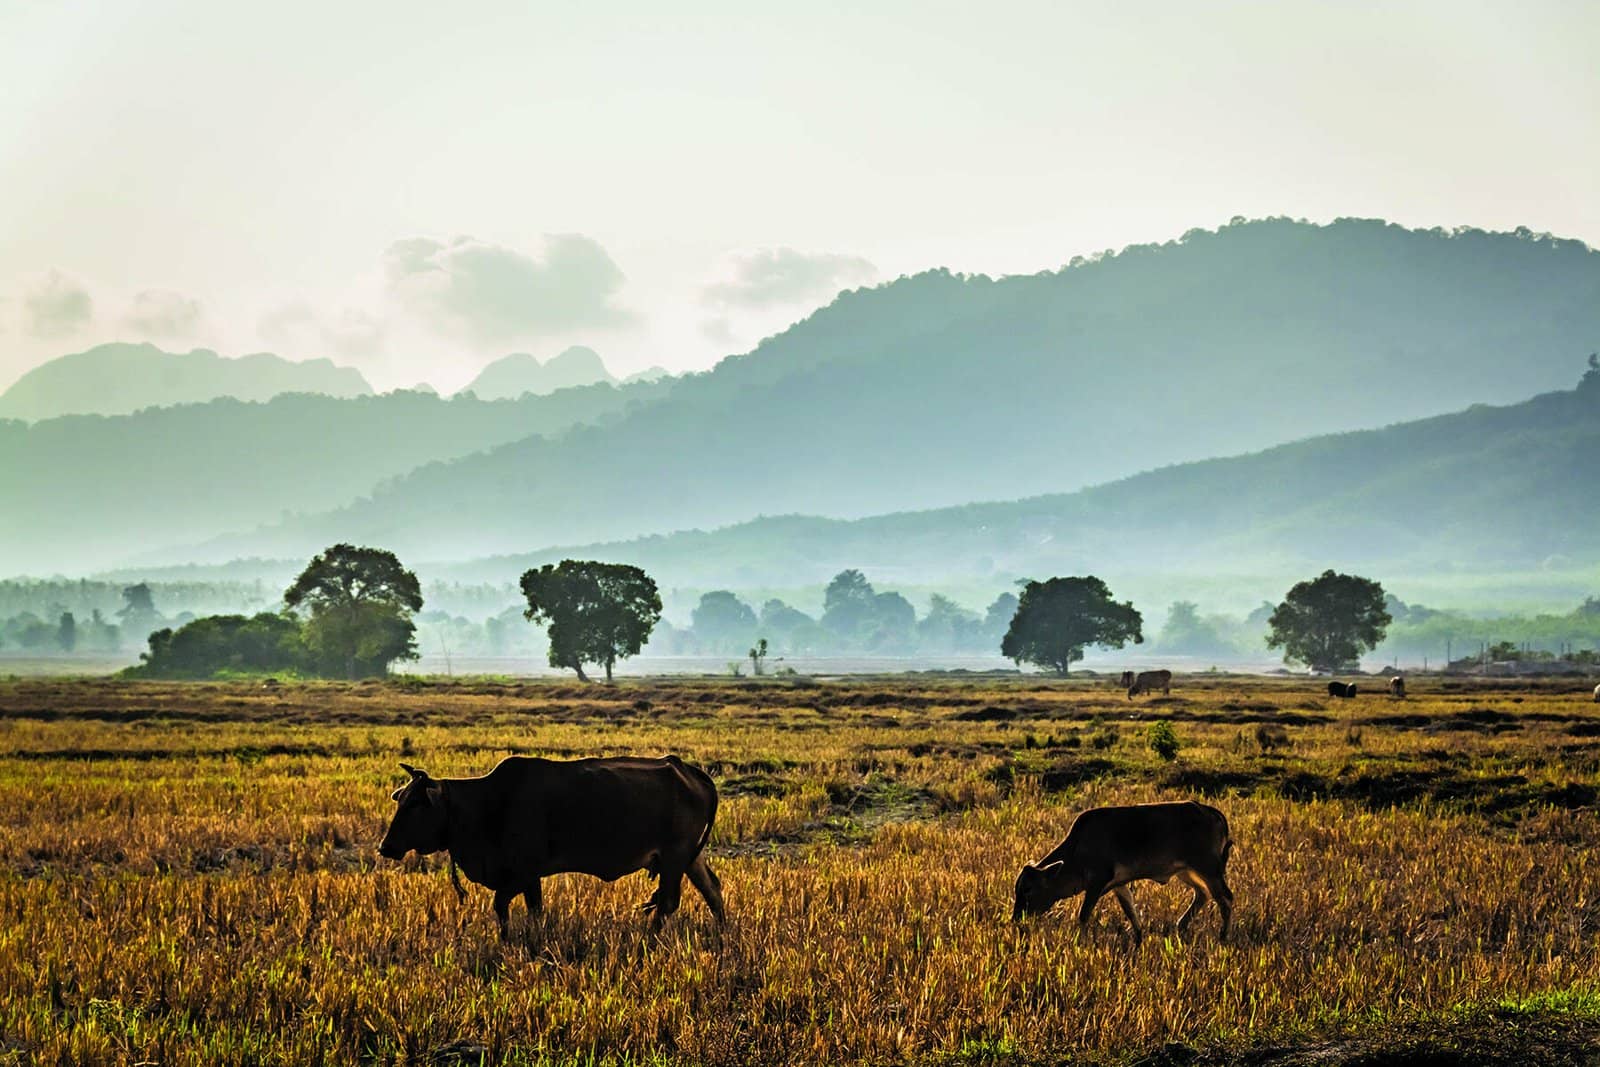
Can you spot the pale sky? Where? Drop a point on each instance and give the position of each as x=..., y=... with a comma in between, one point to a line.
x=417, y=188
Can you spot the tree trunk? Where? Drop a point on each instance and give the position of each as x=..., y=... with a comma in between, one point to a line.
x=608, y=671
x=579, y=668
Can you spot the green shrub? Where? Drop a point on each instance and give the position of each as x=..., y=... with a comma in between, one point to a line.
x=1163, y=740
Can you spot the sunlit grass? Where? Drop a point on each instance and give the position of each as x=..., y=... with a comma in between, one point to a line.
x=205, y=888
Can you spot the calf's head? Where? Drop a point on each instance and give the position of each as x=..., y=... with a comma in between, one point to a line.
x=1040, y=887
x=419, y=819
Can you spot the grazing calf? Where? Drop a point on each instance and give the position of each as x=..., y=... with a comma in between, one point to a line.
x=1149, y=682
x=1344, y=690
x=531, y=818
x=1397, y=687
x=1107, y=848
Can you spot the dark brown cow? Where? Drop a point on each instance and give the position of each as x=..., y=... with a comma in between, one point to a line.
x=530, y=818
x=1107, y=848
x=1343, y=690
x=1149, y=682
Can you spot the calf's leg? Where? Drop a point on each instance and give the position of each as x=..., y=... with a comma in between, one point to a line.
x=1201, y=895
x=1091, y=897
x=1124, y=897
x=1224, y=897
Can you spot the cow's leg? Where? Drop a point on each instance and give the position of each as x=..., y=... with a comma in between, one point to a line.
x=1124, y=897
x=1201, y=895
x=502, y=911
x=710, y=886
x=665, y=899
x=533, y=896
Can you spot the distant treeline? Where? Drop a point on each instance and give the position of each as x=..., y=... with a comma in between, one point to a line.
x=486, y=620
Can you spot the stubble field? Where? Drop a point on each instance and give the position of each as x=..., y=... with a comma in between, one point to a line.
x=188, y=875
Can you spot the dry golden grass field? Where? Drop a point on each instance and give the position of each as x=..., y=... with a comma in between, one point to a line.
x=188, y=875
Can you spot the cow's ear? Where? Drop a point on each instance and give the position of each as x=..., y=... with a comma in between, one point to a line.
x=1052, y=869
x=395, y=796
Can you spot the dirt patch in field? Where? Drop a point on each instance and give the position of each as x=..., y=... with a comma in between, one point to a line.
x=1503, y=796
x=1487, y=1039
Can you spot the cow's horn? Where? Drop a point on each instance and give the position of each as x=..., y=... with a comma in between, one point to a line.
x=413, y=771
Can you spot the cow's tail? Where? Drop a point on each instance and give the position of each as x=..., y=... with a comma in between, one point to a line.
x=702, y=777
x=711, y=815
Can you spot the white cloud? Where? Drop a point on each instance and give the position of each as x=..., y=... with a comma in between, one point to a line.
x=300, y=330
x=56, y=306
x=161, y=313
x=488, y=293
x=770, y=277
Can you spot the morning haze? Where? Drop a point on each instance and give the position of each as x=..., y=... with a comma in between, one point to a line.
x=906, y=472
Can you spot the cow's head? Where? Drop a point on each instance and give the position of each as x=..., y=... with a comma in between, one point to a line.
x=419, y=820
x=1040, y=887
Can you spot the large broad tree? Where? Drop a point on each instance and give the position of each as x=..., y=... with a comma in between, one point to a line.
x=1059, y=618
x=1328, y=621
x=360, y=602
x=596, y=612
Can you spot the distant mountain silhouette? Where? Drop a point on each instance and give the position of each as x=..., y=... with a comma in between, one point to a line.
x=939, y=389
x=86, y=491
x=1487, y=489
x=511, y=376
x=117, y=379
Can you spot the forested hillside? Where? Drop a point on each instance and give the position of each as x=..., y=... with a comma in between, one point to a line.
x=80, y=493
x=941, y=389
x=1486, y=489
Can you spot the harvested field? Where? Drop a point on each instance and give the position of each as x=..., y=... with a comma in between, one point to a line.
x=188, y=875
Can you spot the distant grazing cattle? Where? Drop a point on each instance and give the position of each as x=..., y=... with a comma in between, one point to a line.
x=530, y=818
x=1127, y=679
x=1148, y=682
x=1346, y=690
x=1107, y=848
x=1597, y=694
x=1397, y=687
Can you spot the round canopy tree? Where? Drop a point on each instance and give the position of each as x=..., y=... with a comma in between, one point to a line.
x=361, y=601
x=597, y=612
x=1328, y=621
x=722, y=620
x=1057, y=619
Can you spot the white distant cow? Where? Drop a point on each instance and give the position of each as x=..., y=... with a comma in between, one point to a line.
x=1397, y=687
x=1597, y=694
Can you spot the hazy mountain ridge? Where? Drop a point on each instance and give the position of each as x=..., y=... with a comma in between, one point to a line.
x=511, y=376
x=1487, y=488
x=938, y=389
x=86, y=491
x=119, y=379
